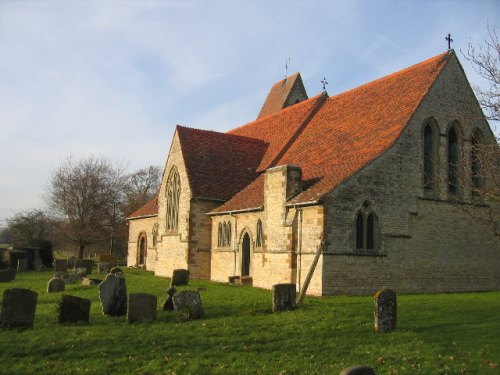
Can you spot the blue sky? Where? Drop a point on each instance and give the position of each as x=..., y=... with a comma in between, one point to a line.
x=113, y=78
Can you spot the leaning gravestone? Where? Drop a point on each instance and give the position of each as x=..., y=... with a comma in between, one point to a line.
x=88, y=264
x=60, y=265
x=18, y=308
x=141, y=307
x=385, y=310
x=73, y=309
x=7, y=275
x=283, y=297
x=168, y=305
x=22, y=265
x=188, y=306
x=56, y=285
x=180, y=277
x=113, y=295
x=358, y=370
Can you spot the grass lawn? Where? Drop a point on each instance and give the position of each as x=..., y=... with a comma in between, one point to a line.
x=436, y=334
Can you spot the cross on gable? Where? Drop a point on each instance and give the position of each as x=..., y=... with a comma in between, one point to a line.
x=448, y=38
x=324, y=82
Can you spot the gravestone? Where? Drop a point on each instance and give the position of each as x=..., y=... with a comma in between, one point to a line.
x=87, y=264
x=74, y=275
x=385, y=310
x=22, y=265
x=89, y=282
x=7, y=275
x=187, y=306
x=141, y=307
x=73, y=309
x=60, y=265
x=110, y=259
x=18, y=308
x=113, y=295
x=103, y=267
x=56, y=285
x=358, y=370
x=283, y=297
x=180, y=277
x=168, y=305
x=72, y=262
x=116, y=270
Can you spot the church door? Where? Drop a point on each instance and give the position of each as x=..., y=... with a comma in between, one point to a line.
x=142, y=251
x=245, y=256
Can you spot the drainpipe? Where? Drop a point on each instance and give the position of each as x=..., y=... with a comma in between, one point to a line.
x=299, y=248
x=233, y=242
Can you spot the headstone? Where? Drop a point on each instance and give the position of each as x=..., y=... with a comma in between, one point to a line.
x=385, y=310
x=88, y=264
x=168, y=305
x=141, y=307
x=7, y=275
x=60, y=265
x=187, y=306
x=110, y=259
x=56, y=285
x=74, y=275
x=358, y=370
x=113, y=295
x=283, y=297
x=180, y=277
x=22, y=265
x=89, y=282
x=18, y=308
x=72, y=262
x=103, y=267
x=73, y=309
x=116, y=270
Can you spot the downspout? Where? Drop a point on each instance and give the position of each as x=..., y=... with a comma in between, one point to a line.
x=233, y=241
x=299, y=249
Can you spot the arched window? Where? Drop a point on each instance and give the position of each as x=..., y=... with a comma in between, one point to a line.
x=219, y=236
x=172, y=193
x=224, y=234
x=475, y=162
x=155, y=233
x=360, y=231
x=260, y=235
x=453, y=161
x=228, y=235
x=428, y=157
x=370, y=232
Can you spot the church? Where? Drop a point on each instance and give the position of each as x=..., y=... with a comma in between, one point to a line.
x=371, y=188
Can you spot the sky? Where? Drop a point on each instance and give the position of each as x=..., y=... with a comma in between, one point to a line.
x=113, y=78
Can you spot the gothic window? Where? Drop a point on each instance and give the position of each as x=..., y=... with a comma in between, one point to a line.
x=370, y=232
x=219, y=236
x=453, y=161
x=475, y=166
x=428, y=157
x=172, y=194
x=228, y=234
x=155, y=233
x=259, y=239
x=359, y=231
x=366, y=231
x=224, y=234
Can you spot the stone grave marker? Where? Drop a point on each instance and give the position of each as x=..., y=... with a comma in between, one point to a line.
x=385, y=310
x=103, y=267
x=284, y=297
x=113, y=295
x=22, y=265
x=56, y=284
x=89, y=282
x=72, y=309
x=141, y=307
x=116, y=270
x=188, y=306
x=88, y=264
x=180, y=277
x=7, y=275
x=358, y=370
x=168, y=305
x=18, y=308
x=60, y=265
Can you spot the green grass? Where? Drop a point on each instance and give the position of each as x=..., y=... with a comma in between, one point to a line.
x=436, y=334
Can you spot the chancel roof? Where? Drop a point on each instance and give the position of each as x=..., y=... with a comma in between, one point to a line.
x=149, y=209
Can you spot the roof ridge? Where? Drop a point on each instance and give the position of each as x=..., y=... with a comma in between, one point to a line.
x=224, y=134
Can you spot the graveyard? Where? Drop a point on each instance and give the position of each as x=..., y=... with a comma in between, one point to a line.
x=240, y=333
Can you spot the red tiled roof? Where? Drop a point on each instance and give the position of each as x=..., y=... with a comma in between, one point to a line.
x=149, y=209
x=346, y=133
x=279, y=94
x=219, y=164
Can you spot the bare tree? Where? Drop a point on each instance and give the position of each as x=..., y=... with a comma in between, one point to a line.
x=140, y=187
x=30, y=228
x=84, y=195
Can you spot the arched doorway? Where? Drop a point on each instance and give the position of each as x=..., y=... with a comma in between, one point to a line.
x=142, y=250
x=245, y=255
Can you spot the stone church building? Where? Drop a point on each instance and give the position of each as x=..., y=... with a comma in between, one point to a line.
x=367, y=189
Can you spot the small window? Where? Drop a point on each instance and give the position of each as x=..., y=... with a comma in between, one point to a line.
x=370, y=232
x=453, y=161
x=359, y=231
x=228, y=234
x=219, y=236
x=475, y=162
x=366, y=228
x=259, y=239
x=428, y=158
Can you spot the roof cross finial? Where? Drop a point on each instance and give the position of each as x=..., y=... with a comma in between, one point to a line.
x=324, y=82
x=448, y=38
x=286, y=67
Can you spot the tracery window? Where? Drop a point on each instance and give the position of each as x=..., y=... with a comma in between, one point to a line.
x=260, y=235
x=172, y=194
x=228, y=234
x=366, y=231
x=224, y=234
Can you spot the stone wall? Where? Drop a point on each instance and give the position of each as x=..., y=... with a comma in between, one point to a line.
x=135, y=228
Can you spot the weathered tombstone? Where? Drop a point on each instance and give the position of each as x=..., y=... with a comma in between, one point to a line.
x=22, y=265
x=358, y=370
x=103, y=267
x=187, y=306
x=74, y=275
x=168, y=305
x=110, y=259
x=60, y=265
x=89, y=282
x=180, y=277
x=113, y=295
x=18, y=308
x=88, y=264
x=116, y=270
x=73, y=309
x=385, y=310
x=141, y=307
x=72, y=262
x=283, y=297
x=7, y=275
x=56, y=285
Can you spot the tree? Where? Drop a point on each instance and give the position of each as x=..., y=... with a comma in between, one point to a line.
x=84, y=195
x=140, y=187
x=29, y=228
